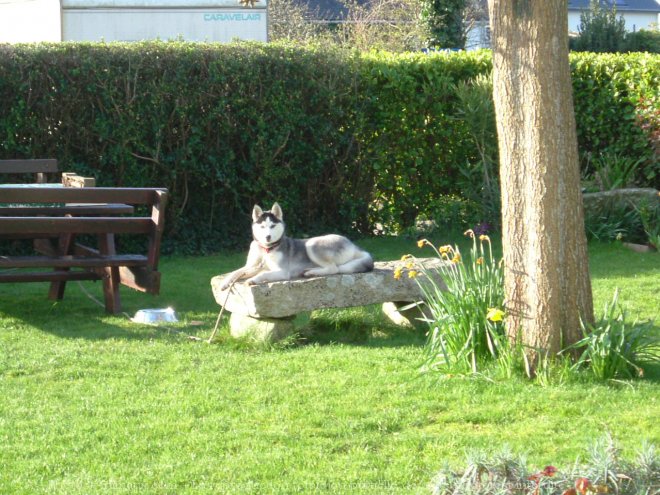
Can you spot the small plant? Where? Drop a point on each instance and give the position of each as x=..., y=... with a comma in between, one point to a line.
x=613, y=347
x=613, y=171
x=650, y=218
x=614, y=222
x=466, y=326
x=506, y=473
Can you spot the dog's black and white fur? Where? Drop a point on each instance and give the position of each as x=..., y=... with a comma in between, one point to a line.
x=274, y=257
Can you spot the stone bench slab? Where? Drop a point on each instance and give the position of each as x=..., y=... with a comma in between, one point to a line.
x=289, y=298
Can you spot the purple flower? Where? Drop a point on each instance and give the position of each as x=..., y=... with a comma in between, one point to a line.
x=482, y=228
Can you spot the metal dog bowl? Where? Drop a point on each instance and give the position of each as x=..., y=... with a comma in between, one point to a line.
x=154, y=316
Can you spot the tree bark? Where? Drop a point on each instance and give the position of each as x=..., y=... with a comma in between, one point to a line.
x=547, y=283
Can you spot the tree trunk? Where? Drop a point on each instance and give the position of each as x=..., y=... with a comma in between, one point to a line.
x=547, y=283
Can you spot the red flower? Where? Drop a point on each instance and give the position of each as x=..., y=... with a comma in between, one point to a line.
x=582, y=485
x=549, y=471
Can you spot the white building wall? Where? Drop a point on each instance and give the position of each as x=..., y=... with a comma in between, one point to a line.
x=132, y=20
x=23, y=21
x=189, y=20
x=165, y=24
x=634, y=20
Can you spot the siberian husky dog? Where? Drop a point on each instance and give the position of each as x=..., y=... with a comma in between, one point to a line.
x=274, y=257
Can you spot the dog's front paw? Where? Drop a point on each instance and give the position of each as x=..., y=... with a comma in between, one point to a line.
x=252, y=281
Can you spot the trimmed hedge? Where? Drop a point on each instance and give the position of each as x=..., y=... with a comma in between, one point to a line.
x=221, y=126
x=617, y=106
x=343, y=140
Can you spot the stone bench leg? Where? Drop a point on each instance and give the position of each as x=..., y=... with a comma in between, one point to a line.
x=408, y=316
x=266, y=330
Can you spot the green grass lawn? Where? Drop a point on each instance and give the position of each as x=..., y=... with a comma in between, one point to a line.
x=95, y=404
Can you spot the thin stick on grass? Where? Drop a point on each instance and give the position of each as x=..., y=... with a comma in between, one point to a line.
x=222, y=310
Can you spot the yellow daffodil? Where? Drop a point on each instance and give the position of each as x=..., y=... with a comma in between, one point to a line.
x=469, y=233
x=495, y=314
x=484, y=237
x=410, y=265
x=412, y=274
x=480, y=260
x=456, y=258
x=445, y=249
x=422, y=242
x=406, y=257
x=397, y=273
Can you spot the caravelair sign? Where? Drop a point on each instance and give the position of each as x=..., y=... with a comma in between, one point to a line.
x=238, y=16
x=234, y=16
x=189, y=20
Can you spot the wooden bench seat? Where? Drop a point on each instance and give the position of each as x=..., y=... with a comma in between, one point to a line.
x=104, y=209
x=99, y=261
x=54, y=217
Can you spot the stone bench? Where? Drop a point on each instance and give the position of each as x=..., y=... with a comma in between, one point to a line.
x=266, y=312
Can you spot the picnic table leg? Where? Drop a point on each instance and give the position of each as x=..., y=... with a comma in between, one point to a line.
x=64, y=246
x=111, y=275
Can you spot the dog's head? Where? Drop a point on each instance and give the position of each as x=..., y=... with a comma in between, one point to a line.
x=267, y=226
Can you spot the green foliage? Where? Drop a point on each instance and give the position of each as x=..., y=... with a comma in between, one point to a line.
x=600, y=30
x=617, y=108
x=500, y=472
x=610, y=171
x=479, y=180
x=443, y=20
x=467, y=326
x=649, y=214
x=344, y=140
x=410, y=140
x=222, y=126
x=449, y=212
x=615, y=221
x=644, y=40
x=648, y=119
x=615, y=348
x=466, y=322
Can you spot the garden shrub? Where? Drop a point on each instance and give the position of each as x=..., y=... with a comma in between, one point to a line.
x=344, y=140
x=410, y=136
x=222, y=126
x=644, y=40
x=617, y=108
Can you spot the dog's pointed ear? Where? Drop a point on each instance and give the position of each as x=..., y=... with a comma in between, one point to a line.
x=256, y=213
x=277, y=211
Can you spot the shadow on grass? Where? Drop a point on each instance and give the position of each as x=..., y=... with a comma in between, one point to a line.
x=75, y=317
x=85, y=325
x=78, y=317
x=358, y=327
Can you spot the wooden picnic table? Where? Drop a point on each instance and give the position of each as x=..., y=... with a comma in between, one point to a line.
x=53, y=216
x=17, y=209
